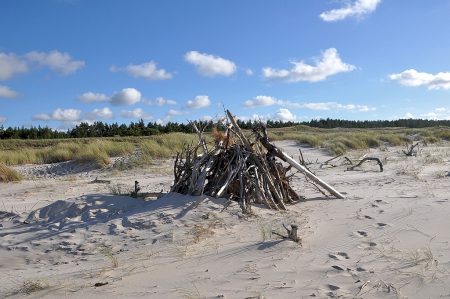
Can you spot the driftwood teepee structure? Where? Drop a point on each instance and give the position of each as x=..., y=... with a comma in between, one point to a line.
x=248, y=169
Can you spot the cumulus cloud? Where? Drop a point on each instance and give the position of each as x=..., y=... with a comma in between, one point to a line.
x=173, y=112
x=56, y=61
x=327, y=65
x=284, y=114
x=103, y=113
x=147, y=70
x=206, y=118
x=261, y=100
x=336, y=106
x=6, y=92
x=412, y=77
x=60, y=115
x=2, y=119
x=160, y=101
x=358, y=8
x=137, y=113
x=201, y=101
x=11, y=65
x=90, y=97
x=408, y=115
x=249, y=72
x=210, y=65
x=126, y=96
x=440, y=113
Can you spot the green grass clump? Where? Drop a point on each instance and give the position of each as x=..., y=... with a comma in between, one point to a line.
x=8, y=174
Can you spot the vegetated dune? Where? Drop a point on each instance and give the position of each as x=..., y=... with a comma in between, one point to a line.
x=80, y=234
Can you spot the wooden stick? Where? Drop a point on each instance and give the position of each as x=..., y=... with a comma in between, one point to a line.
x=368, y=159
x=311, y=176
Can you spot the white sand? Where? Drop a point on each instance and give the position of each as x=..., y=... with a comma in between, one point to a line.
x=388, y=239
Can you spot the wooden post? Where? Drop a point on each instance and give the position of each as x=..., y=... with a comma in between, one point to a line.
x=293, y=233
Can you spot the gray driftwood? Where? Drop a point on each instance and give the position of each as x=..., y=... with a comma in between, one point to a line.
x=246, y=167
x=367, y=159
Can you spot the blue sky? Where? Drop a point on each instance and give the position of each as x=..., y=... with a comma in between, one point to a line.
x=67, y=61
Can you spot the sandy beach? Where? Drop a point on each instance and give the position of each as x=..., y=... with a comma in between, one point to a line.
x=66, y=231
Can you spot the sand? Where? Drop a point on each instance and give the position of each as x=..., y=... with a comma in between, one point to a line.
x=61, y=235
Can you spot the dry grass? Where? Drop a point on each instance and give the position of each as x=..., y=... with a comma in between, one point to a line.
x=340, y=140
x=8, y=174
x=99, y=150
x=31, y=286
x=108, y=253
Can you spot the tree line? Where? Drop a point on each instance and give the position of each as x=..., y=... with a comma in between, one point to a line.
x=140, y=128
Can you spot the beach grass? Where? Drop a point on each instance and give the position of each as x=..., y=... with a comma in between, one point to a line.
x=151, y=148
x=7, y=174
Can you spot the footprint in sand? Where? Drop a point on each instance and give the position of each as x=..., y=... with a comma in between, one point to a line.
x=333, y=287
x=337, y=268
x=362, y=233
x=339, y=256
x=368, y=217
x=360, y=269
x=368, y=245
x=381, y=224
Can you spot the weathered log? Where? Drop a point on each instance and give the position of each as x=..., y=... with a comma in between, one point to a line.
x=367, y=159
x=311, y=176
x=285, y=157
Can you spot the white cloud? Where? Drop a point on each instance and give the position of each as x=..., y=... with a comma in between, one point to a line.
x=60, y=115
x=284, y=114
x=336, y=106
x=358, y=8
x=270, y=101
x=199, y=102
x=126, y=96
x=160, y=101
x=263, y=101
x=11, y=65
x=137, y=113
x=327, y=65
x=2, y=119
x=89, y=97
x=147, y=70
x=408, y=116
x=412, y=77
x=173, y=112
x=249, y=72
x=207, y=118
x=440, y=113
x=255, y=117
x=6, y=92
x=103, y=113
x=210, y=65
x=55, y=60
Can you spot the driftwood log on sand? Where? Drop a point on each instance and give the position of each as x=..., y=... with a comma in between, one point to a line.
x=367, y=159
x=243, y=167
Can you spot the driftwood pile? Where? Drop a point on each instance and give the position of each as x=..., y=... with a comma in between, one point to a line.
x=247, y=169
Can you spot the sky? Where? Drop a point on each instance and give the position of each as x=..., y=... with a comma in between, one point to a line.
x=63, y=62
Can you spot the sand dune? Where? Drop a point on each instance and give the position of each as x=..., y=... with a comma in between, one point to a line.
x=61, y=235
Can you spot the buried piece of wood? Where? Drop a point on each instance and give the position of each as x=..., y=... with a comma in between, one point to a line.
x=136, y=189
x=367, y=159
x=411, y=149
x=329, y=160
x=293, y=233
